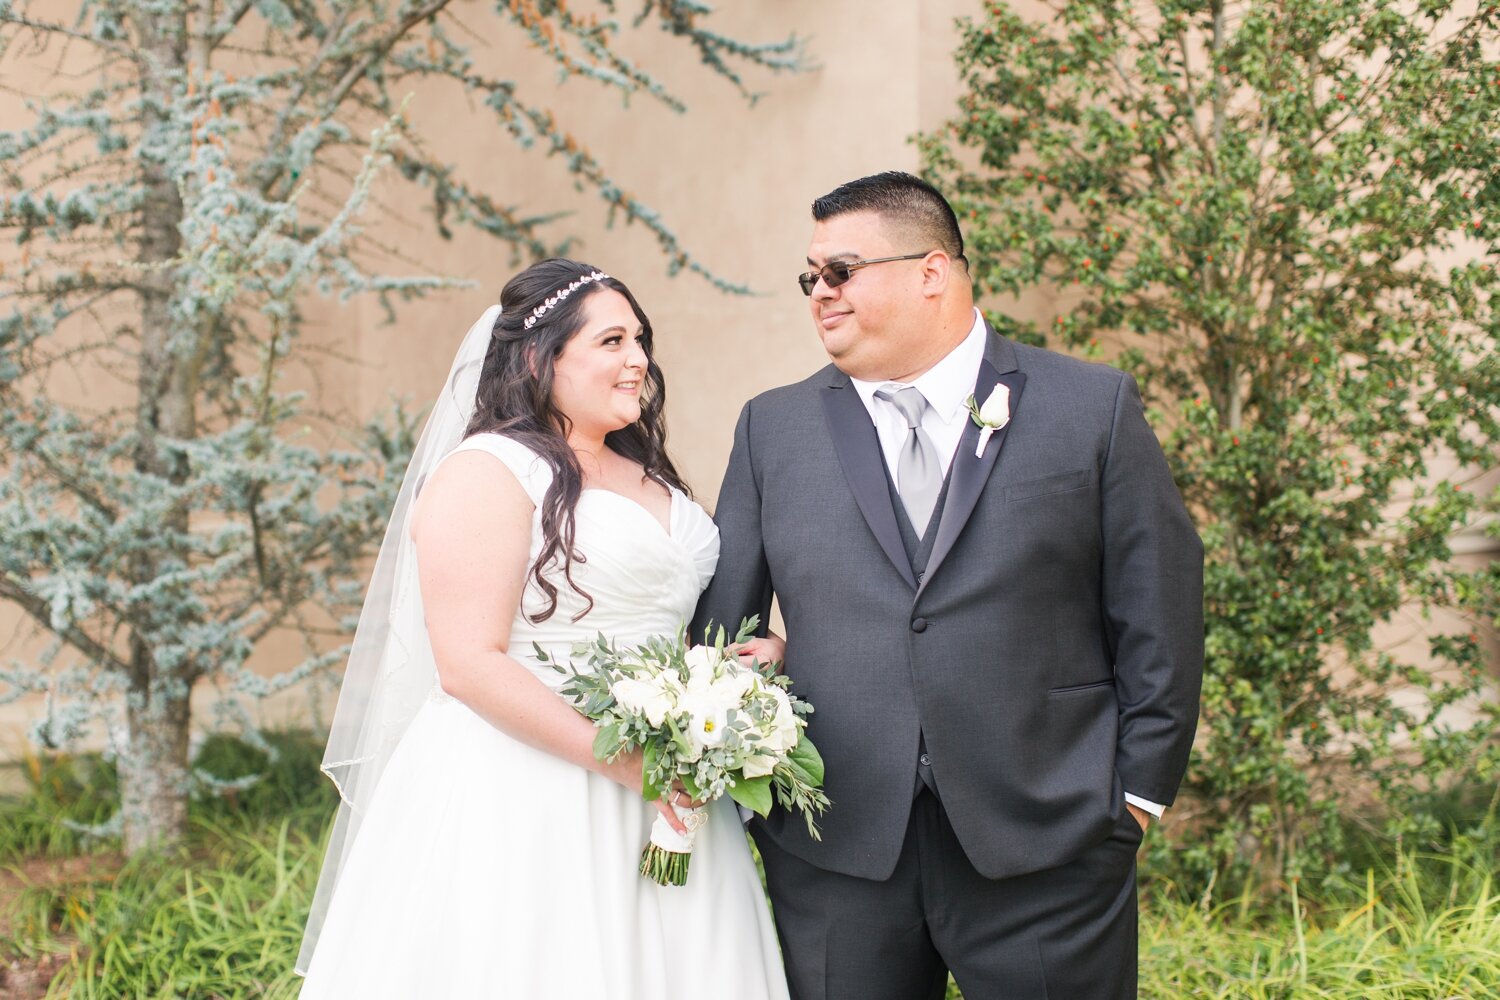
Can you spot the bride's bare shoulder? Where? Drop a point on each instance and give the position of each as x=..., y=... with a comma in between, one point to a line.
x=469, y=489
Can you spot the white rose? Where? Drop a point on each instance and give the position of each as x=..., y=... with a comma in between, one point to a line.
x=721, y=678
x=996, y=410
x=993, y=415
x=786, y=728
x=735, y=686
x=668, y=682
x=653, y=700
x=760, y=764
x=702, y=662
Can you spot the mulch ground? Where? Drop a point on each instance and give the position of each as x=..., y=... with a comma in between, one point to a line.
x=27, y=976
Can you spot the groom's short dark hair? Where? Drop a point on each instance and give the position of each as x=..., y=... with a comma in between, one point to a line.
x=914, y=208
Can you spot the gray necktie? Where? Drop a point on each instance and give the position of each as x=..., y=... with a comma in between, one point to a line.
x=919, y=477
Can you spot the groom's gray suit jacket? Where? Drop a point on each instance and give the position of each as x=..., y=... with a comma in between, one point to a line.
x=1052, y=652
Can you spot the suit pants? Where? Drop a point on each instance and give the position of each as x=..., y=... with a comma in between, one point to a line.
x=1065, y=933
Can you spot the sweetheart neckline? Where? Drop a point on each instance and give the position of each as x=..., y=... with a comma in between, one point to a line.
x=665, y=529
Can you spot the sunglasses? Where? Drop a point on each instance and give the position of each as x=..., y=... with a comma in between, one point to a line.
x=837, y=272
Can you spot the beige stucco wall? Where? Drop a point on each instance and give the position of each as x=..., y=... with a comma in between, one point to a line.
x=733, y=181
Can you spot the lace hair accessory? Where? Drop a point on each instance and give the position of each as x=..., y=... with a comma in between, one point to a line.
x=561, y=294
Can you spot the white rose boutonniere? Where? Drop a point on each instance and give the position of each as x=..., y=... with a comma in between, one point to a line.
x=993, y=415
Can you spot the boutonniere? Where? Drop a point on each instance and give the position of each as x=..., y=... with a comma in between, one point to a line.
x=993, y=415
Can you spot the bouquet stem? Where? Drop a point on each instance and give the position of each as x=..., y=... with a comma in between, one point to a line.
x=664, y=867
x=666, y=857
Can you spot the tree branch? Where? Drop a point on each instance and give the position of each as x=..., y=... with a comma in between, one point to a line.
x=9, y=16
x=376, y=52
x=14, y=589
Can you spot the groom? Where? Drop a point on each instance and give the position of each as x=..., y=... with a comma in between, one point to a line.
x=1001, y=632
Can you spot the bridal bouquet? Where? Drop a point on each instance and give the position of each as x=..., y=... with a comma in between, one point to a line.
x=702, y=719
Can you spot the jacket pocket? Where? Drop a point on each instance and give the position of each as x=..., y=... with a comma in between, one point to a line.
x=1061, y=482
x=1075, y=688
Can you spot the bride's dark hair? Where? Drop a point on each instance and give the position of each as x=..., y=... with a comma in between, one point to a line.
x=515, y=399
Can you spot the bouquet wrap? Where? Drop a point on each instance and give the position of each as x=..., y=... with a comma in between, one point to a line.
x=665, y=859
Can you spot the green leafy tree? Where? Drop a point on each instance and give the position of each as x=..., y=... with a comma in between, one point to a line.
x=1281, y=218
x=170, y=207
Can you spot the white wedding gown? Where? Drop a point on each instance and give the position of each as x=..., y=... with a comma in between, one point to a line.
x=487, y=869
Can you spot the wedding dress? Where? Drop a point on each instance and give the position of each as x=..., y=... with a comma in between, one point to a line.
x=484, y=868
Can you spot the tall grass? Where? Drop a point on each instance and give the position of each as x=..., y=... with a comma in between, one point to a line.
x=223, y=917
x=224, y=921
x=220, y=917
x=1426, y=926
x=64, y=795
x=67, y=794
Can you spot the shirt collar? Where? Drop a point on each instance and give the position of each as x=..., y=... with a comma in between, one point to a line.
x=948, y=384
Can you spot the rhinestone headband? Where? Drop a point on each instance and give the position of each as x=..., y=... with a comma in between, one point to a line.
x=561, y=294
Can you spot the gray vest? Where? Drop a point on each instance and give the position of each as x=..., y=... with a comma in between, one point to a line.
x=918, y=551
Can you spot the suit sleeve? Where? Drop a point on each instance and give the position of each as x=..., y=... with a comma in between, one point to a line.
x=741, y=586
x=1153, y=605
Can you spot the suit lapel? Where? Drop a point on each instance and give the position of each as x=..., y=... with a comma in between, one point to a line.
x=969, y=473
x=858, y=448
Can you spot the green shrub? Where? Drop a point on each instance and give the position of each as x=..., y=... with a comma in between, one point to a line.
x=1281, y=217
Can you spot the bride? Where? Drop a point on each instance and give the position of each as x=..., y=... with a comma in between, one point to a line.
x=480, y=850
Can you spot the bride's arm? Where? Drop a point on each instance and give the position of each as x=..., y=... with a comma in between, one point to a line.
x=472, y=532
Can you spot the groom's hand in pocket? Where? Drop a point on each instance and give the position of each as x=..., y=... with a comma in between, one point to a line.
x=1142, y=817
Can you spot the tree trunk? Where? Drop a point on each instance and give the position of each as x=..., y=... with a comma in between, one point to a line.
x=160, y=406
x=154, y=771
x=154, y=775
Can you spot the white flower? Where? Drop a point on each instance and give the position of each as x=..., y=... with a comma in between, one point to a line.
x=993, y=415
x=720, y=676
x=653, y=698
x=760, y=764
x=702, y=663
x=786, y=728
x=996, y=410
x=737, y=684
x=776, y=736
x=723, y=694
x=707, y=722
x=709, y=700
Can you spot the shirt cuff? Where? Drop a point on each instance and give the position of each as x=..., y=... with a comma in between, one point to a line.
x=1154, y=808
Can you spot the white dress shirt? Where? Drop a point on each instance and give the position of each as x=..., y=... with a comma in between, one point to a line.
x=947, y=387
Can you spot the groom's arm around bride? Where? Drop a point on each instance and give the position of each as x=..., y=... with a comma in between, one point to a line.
x=1002, y=631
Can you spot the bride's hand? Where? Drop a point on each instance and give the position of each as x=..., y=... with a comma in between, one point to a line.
x=682, y=799
x=771, y=649
x=628, y=769
x=678, y=797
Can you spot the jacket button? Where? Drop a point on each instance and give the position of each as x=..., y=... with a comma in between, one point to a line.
x=925, y=760
x=919, y=625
